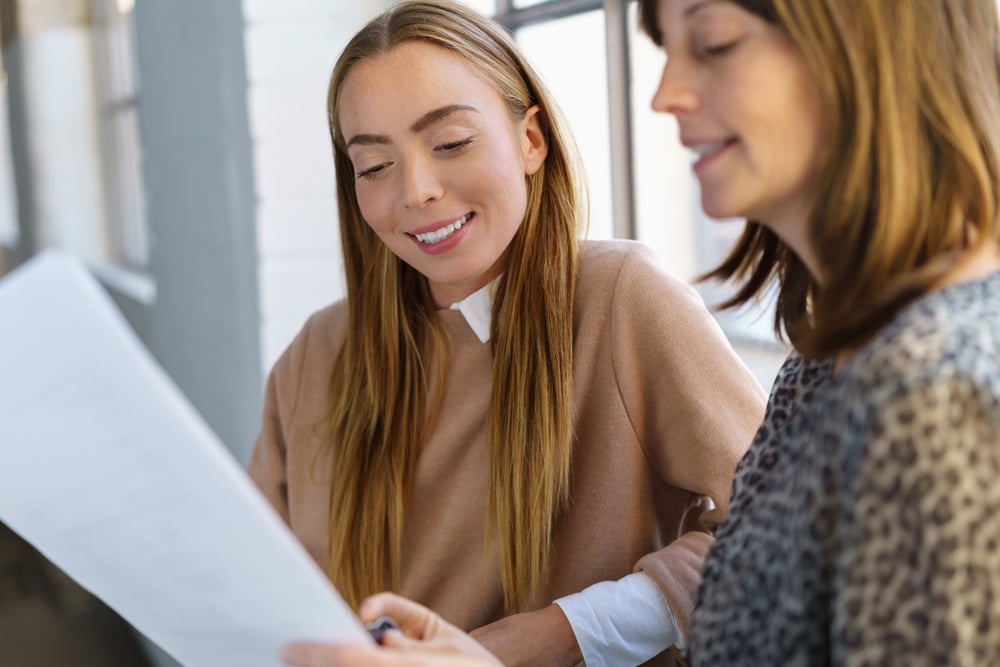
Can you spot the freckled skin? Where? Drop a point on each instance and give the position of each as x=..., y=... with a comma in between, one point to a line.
x=470, y=161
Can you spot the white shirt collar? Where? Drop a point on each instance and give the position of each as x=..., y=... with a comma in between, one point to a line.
x=477, y=308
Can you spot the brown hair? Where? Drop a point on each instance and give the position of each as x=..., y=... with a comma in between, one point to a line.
x=380, y=405
x=911, y=94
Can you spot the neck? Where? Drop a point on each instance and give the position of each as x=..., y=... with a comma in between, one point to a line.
x=795, y=235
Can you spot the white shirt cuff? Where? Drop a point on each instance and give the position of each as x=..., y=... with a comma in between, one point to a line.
x=624, y=622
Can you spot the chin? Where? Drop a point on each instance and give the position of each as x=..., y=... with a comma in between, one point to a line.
x=719, y=211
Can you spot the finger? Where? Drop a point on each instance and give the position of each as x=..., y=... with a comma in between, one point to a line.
x=312, y=654
x=413, y=619
x=316, y=654
x=397, y=641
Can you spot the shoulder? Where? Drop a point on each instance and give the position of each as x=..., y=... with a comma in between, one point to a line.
x=303, y=369
x=928, y=384
x=317, y=342
x=630, y=274
x=608, y=260
x=796, y=382
x=609, y=255
x=326, y=326
x=948, y=337
x=922, y=443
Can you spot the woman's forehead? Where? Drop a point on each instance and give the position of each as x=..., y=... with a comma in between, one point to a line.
x=408, y=81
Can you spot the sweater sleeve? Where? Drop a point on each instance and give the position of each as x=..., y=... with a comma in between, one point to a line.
x=917, y=576
x=694, y=407
x=267, y=467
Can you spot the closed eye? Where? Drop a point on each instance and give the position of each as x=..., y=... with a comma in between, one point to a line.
x=716, y=50
x=371, y=173
x=454, y=146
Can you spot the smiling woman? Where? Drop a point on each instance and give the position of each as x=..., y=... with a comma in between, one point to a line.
x=861, y=140
x=405, y=159
x=474, y=426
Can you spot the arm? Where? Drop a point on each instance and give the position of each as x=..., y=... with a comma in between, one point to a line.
x=623, y=622
x=694, y=408
x=291, y=392
x=917, y=575
x=267, y=466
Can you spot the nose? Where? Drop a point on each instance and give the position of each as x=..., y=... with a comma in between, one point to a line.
x=677, y=92
x=421, y=184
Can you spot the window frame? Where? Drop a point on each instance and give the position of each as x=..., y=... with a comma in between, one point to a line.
x=616, y=34
x=113, y=31
x=743, y=325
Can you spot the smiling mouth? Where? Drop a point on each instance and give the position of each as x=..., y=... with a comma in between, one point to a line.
x=438, y=235
x=710, y=147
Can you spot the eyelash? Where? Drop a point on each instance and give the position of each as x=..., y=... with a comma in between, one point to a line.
x=719, y=49
x=451, y=147
x=372, y=173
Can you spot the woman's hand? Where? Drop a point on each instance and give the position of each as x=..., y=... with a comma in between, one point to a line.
x=424, y=640
x=543, y=638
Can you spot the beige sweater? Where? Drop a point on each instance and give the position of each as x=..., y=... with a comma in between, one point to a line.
x=664, y=407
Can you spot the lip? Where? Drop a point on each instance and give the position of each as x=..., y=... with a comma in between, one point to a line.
x=448, y=243
x=434, y=226
x=705, y=159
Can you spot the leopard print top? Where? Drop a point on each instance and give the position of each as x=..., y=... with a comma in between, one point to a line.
x=865, y=519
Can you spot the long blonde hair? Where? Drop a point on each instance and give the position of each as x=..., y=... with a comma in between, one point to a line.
x=911, y=97
x=381, y=412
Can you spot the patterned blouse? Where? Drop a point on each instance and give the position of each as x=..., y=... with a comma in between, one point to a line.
x=864, y=528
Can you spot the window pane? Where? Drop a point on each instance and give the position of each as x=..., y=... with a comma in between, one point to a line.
x=670, y=219
x=526, y=3
x=484, y=7
x=571, y=56
x=666, y=196
x=122, y=156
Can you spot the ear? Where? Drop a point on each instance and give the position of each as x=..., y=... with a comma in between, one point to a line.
x=534, y=143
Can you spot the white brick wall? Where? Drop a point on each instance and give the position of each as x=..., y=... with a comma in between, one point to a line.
x=291, y=47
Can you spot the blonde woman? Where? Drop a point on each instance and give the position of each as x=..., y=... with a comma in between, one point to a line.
x=520, y=430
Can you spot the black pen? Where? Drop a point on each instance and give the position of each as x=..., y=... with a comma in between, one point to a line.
x=380, y=626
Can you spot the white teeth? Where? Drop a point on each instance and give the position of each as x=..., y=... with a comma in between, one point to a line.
x=441, y=234
x=709, y=147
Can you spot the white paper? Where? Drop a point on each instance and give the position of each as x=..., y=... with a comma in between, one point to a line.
x=109, y=472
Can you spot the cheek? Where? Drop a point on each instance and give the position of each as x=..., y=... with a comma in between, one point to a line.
x=374, y=209
x=505, y=175
x=510, y=196
x=802, y=134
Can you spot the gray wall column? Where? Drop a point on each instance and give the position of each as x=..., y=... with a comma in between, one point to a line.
x=205, y=322
x=204, y=325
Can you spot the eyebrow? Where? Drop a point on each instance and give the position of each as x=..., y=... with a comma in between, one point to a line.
x=692, y=10
x=420, y=124
x=697, y=7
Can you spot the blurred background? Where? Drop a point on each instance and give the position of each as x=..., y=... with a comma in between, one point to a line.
x=180, y=148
